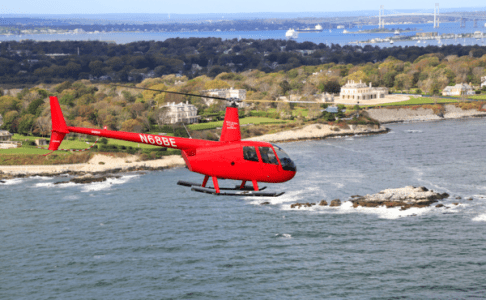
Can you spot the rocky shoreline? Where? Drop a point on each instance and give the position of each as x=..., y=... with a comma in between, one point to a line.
x=320, y=131
x=400, y=115
x=405, y=198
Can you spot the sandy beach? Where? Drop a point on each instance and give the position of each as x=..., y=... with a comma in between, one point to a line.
x=108, y=163
x=319, y=131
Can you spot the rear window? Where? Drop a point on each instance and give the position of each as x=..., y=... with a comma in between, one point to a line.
x=249, y=153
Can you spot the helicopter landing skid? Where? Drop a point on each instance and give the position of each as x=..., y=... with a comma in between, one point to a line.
x=236, y=191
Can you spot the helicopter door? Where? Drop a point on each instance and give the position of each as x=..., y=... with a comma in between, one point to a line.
x=269, y=159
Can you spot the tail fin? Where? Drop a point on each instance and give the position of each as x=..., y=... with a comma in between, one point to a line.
x=59, y=127
x=231, y=126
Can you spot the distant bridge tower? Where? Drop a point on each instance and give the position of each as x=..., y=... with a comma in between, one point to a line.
x=436, y=15
x=381, y=23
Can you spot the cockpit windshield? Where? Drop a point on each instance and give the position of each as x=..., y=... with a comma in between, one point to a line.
x=287, y=163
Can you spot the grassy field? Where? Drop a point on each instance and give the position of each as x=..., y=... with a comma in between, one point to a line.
x=24, y=150
x=243, y=121
x=415, y=101
x=478, y=97
x=81, y=144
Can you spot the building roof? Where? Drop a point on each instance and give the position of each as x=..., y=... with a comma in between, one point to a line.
x=5, y=133
x=462, y=86
x=354, y=85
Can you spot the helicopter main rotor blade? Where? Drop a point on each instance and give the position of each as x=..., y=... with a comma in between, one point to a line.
x=171, y=92
x=211, y=97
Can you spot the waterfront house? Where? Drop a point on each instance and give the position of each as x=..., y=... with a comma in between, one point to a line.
x=458, y=90
x=181, y=113
x=361, y=91
x=5, y=136
x=483, y=81
x=225, y=93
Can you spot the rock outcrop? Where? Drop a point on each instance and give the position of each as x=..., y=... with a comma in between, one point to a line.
x=299, y=205
x=405, y=198
x=335, y=202
x=87, y=179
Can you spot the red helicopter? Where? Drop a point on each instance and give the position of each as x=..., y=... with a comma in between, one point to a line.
x=229, y=158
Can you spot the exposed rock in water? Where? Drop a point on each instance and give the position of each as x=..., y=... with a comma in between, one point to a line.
x=299, y=205
x=335, y=202
x=439, y=205
x=87, y=179
x=458, y=197
x=470, y=199
x=264, y=203
x=1, y=181
x=323, y=203
x=405, y=198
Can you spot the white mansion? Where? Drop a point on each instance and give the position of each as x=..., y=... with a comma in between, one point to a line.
x=360, y=91
x=225, y=93
x=458, y=89
x=181, y=113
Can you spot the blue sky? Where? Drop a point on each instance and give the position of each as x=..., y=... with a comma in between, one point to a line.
x=212, y=6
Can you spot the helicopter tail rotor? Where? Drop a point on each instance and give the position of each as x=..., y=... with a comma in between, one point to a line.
x=59, y=127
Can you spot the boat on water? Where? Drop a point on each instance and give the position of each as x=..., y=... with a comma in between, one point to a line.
x=418, y=42
x=391, y=42
x=317, y=28
x=397, y=32
x=291, y=34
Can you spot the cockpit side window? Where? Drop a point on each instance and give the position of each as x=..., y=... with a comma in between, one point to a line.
x=249, y=153
x=268, y=156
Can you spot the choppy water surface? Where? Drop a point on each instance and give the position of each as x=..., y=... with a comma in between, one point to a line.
x=143, y=237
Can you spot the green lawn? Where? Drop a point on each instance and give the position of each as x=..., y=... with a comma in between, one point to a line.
x=415, y=101
x=81, y=144
x=243, y=121
x=24, y=150
x=478, y=97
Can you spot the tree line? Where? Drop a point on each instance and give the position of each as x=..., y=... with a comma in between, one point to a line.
x=33, y=62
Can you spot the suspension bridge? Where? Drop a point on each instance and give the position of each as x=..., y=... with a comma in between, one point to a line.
x=460, y=17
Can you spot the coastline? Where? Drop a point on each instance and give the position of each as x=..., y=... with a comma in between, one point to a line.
x=400, y=115
x=310, y=132
x=109, y=165
x=319, y=131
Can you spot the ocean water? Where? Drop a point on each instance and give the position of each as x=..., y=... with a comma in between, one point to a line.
x=334, y=36
x=143, y=237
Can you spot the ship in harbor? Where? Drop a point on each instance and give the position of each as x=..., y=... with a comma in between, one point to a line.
x=317, y=28
x=291, y=34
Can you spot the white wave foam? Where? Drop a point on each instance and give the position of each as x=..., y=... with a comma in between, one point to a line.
x=381, y=212
x=12, y=181
x=42, y=177
x=480, y=218
x=413, y=131
x=287, y=197
x=44, y=184
x=284, y=235
x=105, y=185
